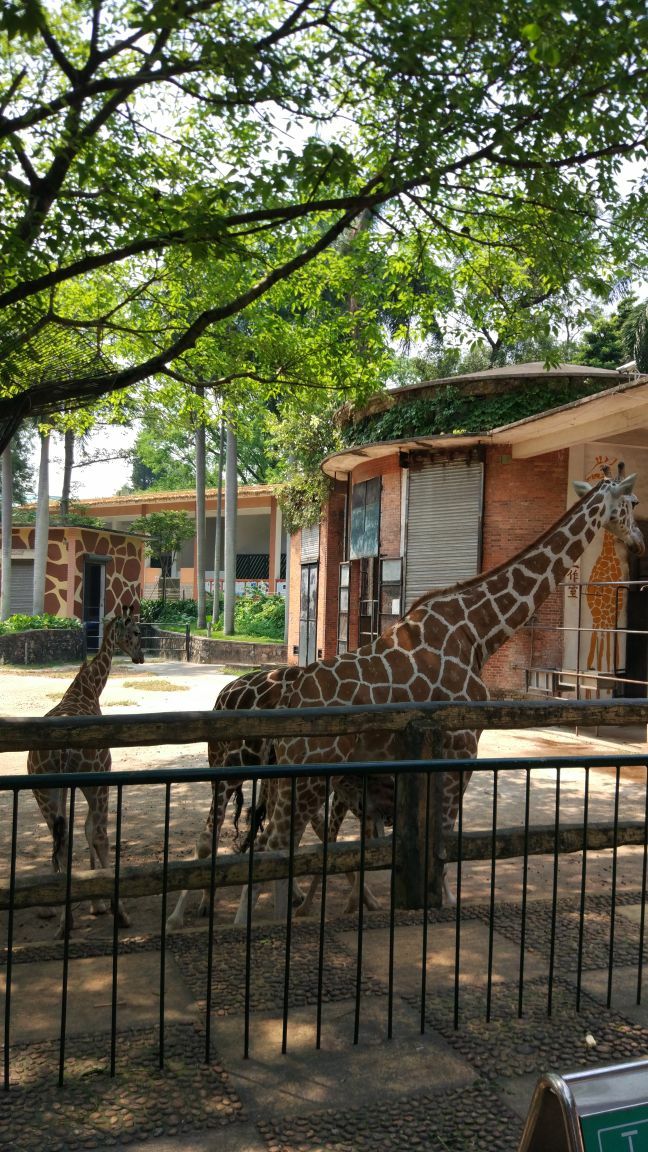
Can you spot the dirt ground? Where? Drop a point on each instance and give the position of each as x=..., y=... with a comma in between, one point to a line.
x=166, y=686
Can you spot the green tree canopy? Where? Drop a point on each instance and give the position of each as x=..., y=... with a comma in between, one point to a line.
x=254, y=134
x=166, y=531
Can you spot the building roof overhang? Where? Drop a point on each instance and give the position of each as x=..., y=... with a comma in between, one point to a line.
x=617, y=413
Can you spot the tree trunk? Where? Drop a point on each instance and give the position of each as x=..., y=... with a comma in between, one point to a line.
x=7, y=505
x=231, y=491
x=42, y=528
x=219, y=520
x=67, y=475
x=199, y=441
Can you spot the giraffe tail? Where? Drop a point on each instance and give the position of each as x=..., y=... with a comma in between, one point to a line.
x=260, y=814
x=59, y=830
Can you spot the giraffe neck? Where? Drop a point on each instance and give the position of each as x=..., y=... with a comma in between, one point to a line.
x=491, y=607
x=91, y=678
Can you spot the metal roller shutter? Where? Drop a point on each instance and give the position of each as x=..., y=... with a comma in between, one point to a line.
x=443, y=525
x=22, y=587
x=310, y=539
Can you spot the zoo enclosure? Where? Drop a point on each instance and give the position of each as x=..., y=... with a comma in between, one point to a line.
x=415, y=854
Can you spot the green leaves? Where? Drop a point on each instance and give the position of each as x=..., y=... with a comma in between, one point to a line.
x=168, y=165
x=20, y=18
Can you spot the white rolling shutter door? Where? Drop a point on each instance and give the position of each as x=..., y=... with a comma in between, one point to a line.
x=443, y=525
x=22, y=587
x=310, y=541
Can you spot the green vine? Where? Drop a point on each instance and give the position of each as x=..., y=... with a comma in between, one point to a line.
x=301, y=499
x=446, y=410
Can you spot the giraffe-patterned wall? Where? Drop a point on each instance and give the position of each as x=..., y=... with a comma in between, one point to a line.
x=67, y=551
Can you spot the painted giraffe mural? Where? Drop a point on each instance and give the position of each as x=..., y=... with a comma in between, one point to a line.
x=605, y=603
x=436, y=652
x=82, y=699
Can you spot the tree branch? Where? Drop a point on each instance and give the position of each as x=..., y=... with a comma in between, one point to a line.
x=54, y=394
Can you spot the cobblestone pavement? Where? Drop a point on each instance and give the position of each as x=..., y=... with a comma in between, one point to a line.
x=463, y=1083
x=406, y=1058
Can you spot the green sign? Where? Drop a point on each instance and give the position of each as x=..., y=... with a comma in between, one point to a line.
x=623, y=1130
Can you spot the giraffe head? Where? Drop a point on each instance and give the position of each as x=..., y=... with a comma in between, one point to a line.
x=127, y=633
x=620, y=503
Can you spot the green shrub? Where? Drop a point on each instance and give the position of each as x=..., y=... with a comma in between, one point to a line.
x=260, y=614
x=21, y=623
x=171, y=612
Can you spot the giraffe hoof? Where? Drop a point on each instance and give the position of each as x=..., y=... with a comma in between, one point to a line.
x=371, y=903
x=64, y=929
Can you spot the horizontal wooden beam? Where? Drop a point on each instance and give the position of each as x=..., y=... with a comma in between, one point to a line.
x=154, y=728
x=343, y=857
x=231, y=869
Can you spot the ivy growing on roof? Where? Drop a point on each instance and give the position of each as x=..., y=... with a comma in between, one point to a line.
x=446, y=409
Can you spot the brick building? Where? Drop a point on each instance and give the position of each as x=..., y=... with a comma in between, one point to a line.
x=427, y=510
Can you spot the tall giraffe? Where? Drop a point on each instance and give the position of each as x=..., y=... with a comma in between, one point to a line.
x=436, y=652
x=82, y=699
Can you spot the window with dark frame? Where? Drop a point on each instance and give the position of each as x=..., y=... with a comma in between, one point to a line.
x=365, y=519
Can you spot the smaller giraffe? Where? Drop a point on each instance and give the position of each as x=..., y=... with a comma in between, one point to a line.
x=82, y=699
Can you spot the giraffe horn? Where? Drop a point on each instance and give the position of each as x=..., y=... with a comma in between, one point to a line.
x=620, y=470
x=605, y=469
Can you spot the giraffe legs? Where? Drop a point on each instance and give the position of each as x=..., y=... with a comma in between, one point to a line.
x=53, y=806
x=276, y=837
x=339, y=810
x=203, y=849
x=96, y=831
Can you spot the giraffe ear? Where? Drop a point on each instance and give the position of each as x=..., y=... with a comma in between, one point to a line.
x=582, y=487
x=624, y=487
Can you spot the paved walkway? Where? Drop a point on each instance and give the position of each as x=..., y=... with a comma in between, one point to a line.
x=440, y=1089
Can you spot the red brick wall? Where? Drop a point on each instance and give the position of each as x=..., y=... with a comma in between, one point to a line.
x=390, y=510
x=522, y=498
x=331, y=555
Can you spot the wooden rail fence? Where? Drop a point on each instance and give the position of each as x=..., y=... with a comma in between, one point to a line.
x=415, y=723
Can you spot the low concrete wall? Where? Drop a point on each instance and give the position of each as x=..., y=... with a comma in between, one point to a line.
x=43, y=646
x=207, y=651
x=203, y=650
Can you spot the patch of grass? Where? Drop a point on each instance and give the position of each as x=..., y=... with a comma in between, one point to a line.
x=118, y=703
x=53, y=670
x=245, y=639
x=155, y=685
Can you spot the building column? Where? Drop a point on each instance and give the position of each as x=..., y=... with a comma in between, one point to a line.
x=274, y=560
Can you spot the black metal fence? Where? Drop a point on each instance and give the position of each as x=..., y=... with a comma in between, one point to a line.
x=518, y=919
